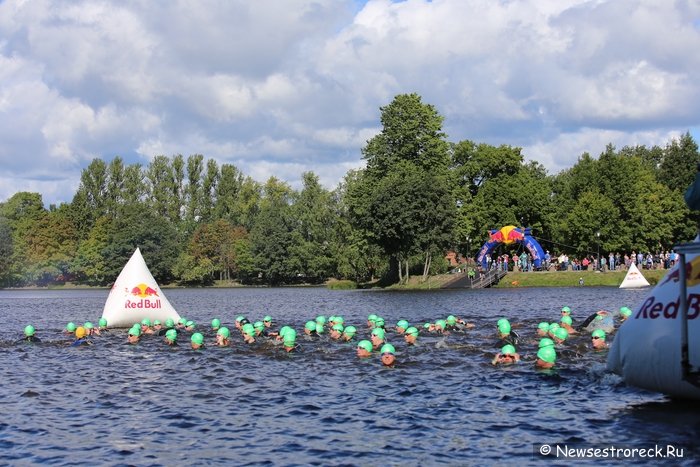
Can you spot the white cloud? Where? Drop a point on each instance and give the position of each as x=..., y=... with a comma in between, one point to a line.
x=279, y=87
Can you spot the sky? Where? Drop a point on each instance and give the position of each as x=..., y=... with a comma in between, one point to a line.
x=281, y=87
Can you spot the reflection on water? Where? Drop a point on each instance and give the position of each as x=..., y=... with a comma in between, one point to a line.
x=443, y=403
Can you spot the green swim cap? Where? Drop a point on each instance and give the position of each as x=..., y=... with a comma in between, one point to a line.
x=403, y=324
x=544, y=326
x=331, y=319
x=310, y=325
x=182, y=321
x=553, y=327
x=379, y=332
x=561, y=333
x=190, y=324
x=29, y=330
x=215, y=323
x=599, y=318
x=339, y=320
x=283, y=330
x=566, y=319
x=412, y=331
x=365, y=344
x=338, y=327
x=372, y=318
x=599, y=333
x=169, y=323
x=624, y=311
x=508, y=350
x=156, y=322
x=171, y=335
x=290, y=338
x=504, y=327
x=547, y=354
x=144, y=322
x=387, y=348
x=442, y=323
x=319, y=328
x=267, y=319
x=320, y=319
x=566, y=309
x=70, y=327
x=546, y=342
x=135, y=331
x=350, y=330
x=223, y=332
x=379, y=322
x=258, y=325
x=197, y=338
x=501, y=321
x=88, y=325
x=451, y=320
x=426, y=326
x=240, y=318
x=102, y=322
x=248, y=329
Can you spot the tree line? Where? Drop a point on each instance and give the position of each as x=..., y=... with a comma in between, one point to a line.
x=419, y=195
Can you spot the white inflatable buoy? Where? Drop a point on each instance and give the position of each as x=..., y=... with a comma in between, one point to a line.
x=136, y=296
x=646, y=351
x=633, y=278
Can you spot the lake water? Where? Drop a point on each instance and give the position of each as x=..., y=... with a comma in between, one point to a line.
x=442, y=403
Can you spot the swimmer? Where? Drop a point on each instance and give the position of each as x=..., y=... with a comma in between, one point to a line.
x=552, y=327
x=222, y=337
x=594, y=320
x=215, y=324
x=379, y=323
x=146, y=326
x=169, y=324
x=348, y=333
x=506, y=356
x=336, y=331
x=377, y=337
x=430, y=327
x=320, y=329
x=542, y=329
x=181, y=323
x=197, y=341
x=411, y=335
x=267, y=321
x=364, y=349
x=239, y=321
x=134, y=334
x=388, y=357
x=565, y=311
x=190, y=325
x=171, y=337
x=157, y=326
x=441, y=326
x=503, y=328
x=289, y=341
x=546, y=356
x=598, y=340
x=310, y=328
x=29, y=336
x=320, y=319
x=340, y=320
x=89, y=328
x=283, y=330
x=102, y=325
x=625, y=313
x=560, y=335
x=70, y=328
x=566, y=323
x=545, y=342
x=248, y=333
x=401, y=326
x=370, y=321
x=81, y=337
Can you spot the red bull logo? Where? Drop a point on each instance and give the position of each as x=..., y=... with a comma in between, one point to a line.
x=692, y=273
x=144, y=292
x=507, y=235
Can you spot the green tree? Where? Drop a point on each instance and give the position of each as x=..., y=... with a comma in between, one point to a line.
x=89, y=265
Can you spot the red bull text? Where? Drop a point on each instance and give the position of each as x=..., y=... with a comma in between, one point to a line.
x=653, y=309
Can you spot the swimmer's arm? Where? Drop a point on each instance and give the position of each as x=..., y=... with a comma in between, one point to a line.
x=495, y=359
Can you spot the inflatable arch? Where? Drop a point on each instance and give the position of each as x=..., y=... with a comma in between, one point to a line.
x=511, y=234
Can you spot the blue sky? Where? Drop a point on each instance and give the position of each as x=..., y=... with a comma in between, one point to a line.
x=282, y=87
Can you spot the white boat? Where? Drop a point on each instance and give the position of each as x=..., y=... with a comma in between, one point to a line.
x=135, y=295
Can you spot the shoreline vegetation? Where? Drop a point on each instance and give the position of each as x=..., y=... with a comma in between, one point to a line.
x=438, y=281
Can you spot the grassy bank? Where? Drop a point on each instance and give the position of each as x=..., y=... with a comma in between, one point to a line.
x=571, y=278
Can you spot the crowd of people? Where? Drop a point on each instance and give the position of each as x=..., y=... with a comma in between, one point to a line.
x=372, y=338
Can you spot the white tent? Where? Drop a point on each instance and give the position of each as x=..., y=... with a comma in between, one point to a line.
x=135, y=296
x=633, y=278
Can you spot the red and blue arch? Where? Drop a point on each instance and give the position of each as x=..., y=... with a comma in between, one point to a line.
x=508, y=235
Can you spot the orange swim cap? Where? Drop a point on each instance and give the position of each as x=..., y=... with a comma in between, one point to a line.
x=80, y=332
